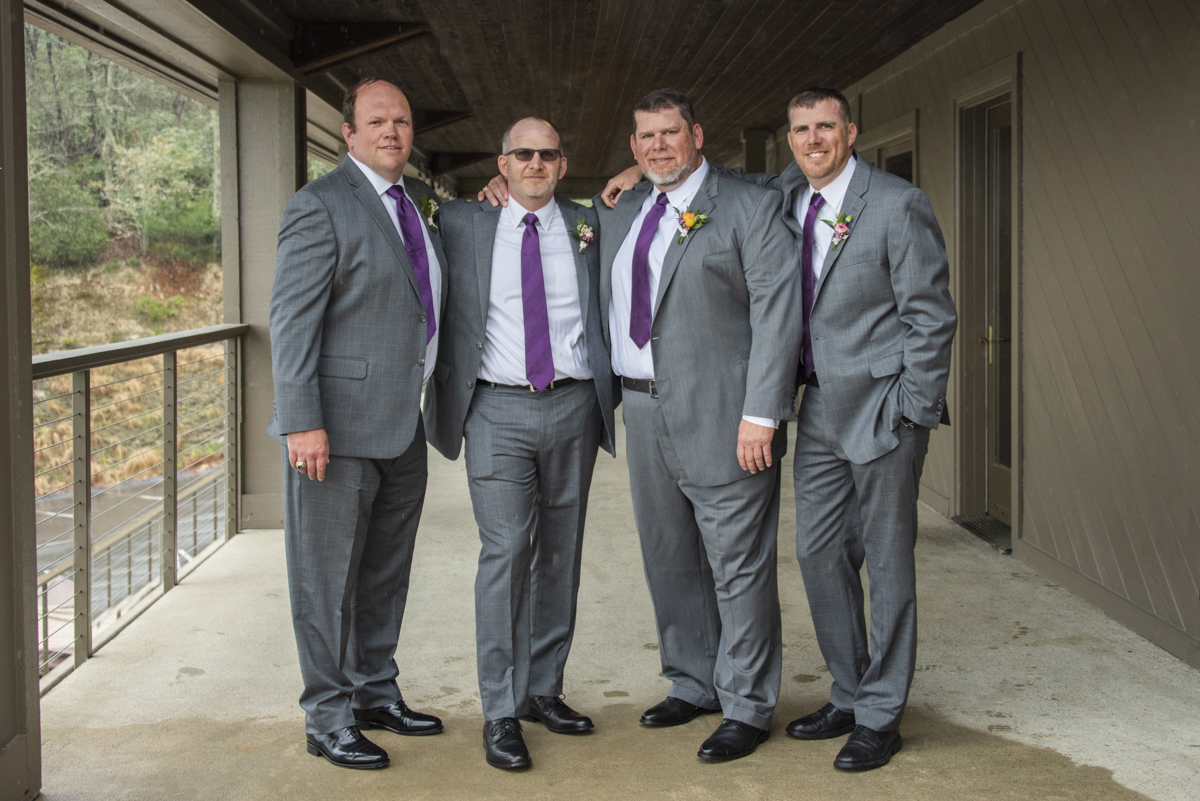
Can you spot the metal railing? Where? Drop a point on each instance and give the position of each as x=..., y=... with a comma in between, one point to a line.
x=136, y=475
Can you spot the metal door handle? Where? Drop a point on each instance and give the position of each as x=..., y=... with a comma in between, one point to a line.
x=988, y=340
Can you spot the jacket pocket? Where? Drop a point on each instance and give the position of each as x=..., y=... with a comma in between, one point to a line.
x=887, y=365
x=342, y=367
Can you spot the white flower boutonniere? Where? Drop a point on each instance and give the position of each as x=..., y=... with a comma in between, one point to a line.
x=584, y=233
x=429, y=207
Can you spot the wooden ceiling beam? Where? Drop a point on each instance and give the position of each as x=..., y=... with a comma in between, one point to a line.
x=321, y=46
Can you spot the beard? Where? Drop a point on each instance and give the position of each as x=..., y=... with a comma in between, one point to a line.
x=669, y=178
x=536, y=190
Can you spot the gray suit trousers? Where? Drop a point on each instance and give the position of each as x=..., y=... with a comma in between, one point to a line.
x=849, y=514
x=710, y=559
x=349, y=543
x=530, y=458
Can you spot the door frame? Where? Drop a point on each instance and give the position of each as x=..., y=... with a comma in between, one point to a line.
x=885, y=134
x=998, y=78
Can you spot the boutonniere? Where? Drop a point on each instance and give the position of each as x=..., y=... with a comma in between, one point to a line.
x=841, y=228
x=688, y=221
x=429, y=207
x=584, y=233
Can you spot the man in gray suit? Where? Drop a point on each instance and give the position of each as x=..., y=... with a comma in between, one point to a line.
x=699, y=281
x=355, y=309
x=878, y=324
x=524, y=375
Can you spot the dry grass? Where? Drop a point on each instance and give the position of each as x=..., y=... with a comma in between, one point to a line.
x=99, y=306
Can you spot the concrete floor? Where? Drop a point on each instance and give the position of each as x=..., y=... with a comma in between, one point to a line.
x=1022, y=690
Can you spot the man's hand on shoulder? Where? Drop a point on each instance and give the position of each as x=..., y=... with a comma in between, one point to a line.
x=496, y=192
x=618, y=184
x=754, y=446
x=312, y=449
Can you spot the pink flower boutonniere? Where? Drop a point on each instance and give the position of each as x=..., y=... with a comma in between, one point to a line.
x=688, y=221
x=841, y=228
x=584, y=233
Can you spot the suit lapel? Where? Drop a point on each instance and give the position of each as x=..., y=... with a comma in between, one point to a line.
x=795, y=184
x=416, y=191
x=377, y=211
x=852, y=204
x=581, y=269
x=614, y=233
x=485, y=240
x=704, y=202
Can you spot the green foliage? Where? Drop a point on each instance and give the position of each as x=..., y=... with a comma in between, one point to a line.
x=318, y=167
x=66, y=226
x=156, y=312
x=183, y=233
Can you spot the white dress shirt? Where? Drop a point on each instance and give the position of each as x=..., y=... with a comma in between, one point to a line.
x=627, y=358
x=504, y=336
x=381, y=186
x=831, y=196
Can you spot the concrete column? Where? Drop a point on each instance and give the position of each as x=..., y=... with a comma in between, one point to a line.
x=754, y=150
x=264, y=160
x=20, y=730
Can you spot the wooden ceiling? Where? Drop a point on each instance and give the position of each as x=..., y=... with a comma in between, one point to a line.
x=582, y=64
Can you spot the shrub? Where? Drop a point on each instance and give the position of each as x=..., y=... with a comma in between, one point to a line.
x=184, y=233
x=66, y=228
x=156, y=312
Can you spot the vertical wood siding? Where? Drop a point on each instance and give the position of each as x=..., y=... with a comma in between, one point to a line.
x=1110, y=286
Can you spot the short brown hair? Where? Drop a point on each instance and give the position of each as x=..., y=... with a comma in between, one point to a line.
x=807, y=98
x=351, y=97
x=663, y=99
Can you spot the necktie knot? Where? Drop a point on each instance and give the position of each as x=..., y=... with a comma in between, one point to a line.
x=661, y=199
x=816, y=201
x=531, y=219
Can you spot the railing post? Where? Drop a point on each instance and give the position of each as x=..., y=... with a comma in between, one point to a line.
x=81, y=475
x=233, y=489
x=170, y=530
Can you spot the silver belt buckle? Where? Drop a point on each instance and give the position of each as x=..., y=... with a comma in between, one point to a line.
x=653, y=388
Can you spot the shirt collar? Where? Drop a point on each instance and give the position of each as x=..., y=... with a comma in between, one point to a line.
x=515, y=214
x=381, y=184
x=835, y=191
x=682, y=195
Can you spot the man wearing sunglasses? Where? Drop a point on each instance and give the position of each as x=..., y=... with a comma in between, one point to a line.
x=523, y=375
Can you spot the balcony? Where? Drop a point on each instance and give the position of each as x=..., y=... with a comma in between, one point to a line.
x=1023, y=689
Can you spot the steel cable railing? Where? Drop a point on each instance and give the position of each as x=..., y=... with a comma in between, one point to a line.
x=162, y=495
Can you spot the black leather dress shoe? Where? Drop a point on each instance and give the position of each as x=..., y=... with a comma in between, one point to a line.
x=398, y=719
x=867, y=749
x=673, y=712
x=504, y=745
x=347, y=748
x=556, y=715
x=731, y=740
x=826, y=723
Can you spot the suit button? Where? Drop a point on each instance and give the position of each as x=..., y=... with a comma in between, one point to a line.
x=478, y=346
x=423, y=318
x=421, y=362
x=470, y=384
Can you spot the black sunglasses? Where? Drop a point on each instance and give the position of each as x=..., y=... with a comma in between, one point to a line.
x=526, y=154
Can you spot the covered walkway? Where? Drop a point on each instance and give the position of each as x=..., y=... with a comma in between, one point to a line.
x=1023, y=690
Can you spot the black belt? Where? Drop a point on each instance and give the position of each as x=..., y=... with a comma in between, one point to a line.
x=647, y=385
x=556, y=384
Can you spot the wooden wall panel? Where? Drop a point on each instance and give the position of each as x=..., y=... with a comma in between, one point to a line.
x=1110, y=284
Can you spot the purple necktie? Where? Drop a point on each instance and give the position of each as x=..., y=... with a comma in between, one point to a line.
x=539, y=361
x=639, y=312
x=808, y=278
x=414, y=243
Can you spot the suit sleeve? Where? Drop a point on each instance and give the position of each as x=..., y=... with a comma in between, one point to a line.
x=771, y=263
x=921, y=283
x=304, y=270
x=763, y=179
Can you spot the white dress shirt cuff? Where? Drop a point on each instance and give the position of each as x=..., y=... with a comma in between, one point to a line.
x=761, y=421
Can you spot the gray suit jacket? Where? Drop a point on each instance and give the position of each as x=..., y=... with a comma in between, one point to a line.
x=882, y=320
x=724, y=339
x=347, y=329
x=468, y=232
